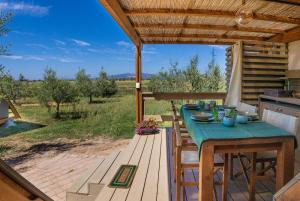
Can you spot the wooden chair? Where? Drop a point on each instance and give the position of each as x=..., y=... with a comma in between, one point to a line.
x=283, y=121
x=186, y=157
x=288, y=123
x=244, y=107
x=241, y=107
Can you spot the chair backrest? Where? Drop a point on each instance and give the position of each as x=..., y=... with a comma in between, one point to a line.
x=177, y=133
x=174, y=111
x=244, y=107
x=283, y=121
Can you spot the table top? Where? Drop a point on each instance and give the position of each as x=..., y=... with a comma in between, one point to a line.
x=204, y=131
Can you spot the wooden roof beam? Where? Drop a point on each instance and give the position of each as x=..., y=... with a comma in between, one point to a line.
x=289, y=36
x=203, y=12
x=209, y=27
x=115, y=10
x=199, y=36
x=188, y=42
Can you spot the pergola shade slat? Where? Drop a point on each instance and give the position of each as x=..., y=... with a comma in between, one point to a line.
x=203, y=12
x=171, y=21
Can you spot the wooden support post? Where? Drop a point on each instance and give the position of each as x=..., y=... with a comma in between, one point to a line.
x=138, y=90
x=206, y=173
x=285, y=163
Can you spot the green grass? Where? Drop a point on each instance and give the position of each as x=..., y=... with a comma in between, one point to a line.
x=112, y=117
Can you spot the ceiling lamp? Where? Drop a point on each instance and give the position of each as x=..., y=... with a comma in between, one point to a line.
x=244, y=15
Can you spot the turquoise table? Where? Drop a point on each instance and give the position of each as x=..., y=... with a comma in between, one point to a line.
x=213, y=137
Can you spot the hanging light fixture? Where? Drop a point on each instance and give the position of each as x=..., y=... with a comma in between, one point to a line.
x=244, y=15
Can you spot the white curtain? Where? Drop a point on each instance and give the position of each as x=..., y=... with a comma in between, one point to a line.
x=234, y=90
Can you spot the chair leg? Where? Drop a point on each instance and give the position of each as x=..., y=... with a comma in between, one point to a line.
x=252, y=178
x=231, y=166
x=178, y=174
x=244, y=168
x=225, y=178
x=174, y=154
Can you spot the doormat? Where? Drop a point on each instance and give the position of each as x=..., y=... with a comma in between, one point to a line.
x=123, y=177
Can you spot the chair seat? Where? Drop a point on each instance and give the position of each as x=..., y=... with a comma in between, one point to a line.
x=263, y=155
x=267, y=154
x=183, y=130
x=190, y=157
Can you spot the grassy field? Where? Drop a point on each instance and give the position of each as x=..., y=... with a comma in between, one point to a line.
x=113, y=117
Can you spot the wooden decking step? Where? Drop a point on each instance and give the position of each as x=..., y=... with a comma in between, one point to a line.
x=89, y=184
x=150, y=183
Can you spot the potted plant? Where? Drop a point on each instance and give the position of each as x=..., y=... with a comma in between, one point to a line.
x=147, y=127
x=229, y=118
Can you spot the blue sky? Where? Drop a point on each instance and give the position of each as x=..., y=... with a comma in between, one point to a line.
x=67, y=35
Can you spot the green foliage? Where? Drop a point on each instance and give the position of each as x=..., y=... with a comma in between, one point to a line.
x=85, y=85
x=214, y=77
x=9, y=88
x=59, y=91
x=104, y=86
x=4, y=19
x=172, y=79
x=188, y=80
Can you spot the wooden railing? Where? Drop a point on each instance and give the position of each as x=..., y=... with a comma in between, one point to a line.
x=180, y=96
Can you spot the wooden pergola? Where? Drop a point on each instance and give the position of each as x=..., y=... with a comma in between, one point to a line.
x=201, y=22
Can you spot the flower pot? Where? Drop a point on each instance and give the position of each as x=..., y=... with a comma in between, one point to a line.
x=242, y=119
x=228, y=121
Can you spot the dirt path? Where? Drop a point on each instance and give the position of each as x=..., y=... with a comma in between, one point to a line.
x=54, y=166
x=32, y=153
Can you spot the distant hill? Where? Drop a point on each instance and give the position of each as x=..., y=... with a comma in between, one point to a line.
x=145, y=76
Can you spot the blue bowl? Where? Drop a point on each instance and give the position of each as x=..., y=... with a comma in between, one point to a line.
x=242, y=119
x=228, y=122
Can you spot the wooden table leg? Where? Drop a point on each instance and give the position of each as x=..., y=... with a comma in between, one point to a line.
x=206, y=173
x=252, y=179
x=225, y=179
x=285, y=163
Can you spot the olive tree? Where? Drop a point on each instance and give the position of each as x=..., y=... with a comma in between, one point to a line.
x=85, y=85
x=105, y=87
x=58, y=91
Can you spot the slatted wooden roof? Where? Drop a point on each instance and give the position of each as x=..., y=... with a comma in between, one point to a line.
x=204, y=21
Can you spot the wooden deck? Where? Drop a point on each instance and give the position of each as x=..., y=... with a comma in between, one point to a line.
x=149, y=153
x=154, y=177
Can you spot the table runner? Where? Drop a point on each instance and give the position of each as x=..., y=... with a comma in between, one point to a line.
x=203, y=131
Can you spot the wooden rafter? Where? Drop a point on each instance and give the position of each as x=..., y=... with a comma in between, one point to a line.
x=204, y=12
x=115, y=10
x=188, y=42
x=208, y=27
x=288, y=2
x=289, y=36
x=200, y=36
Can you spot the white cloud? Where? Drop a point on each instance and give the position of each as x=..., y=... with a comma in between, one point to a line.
x=12, y=57
x=221, y=47
x=38, y=45
x=67, y=60
x=124, y=44
x=36, y=58
x=23, y=33
x=59, y=42
x=24, y=8
x=40, y=58
x=81, y=43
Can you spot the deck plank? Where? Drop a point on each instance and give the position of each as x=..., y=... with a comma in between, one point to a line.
x=121, y=194
x=137, y=188
x=100, y=172
x=124, y=158
x=151, y=184
x=85, y=177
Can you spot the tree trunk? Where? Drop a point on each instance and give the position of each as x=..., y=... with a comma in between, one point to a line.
x=57, y=110
x=91, y=98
